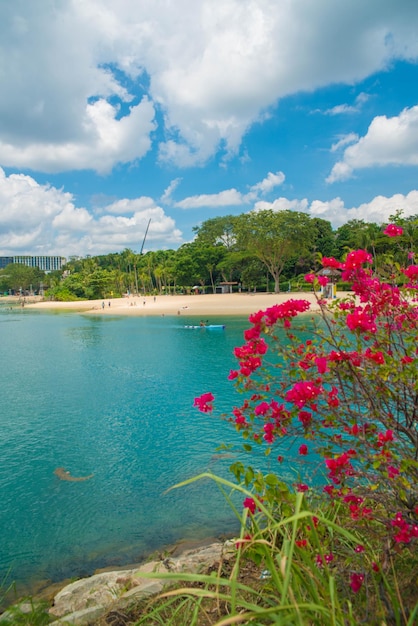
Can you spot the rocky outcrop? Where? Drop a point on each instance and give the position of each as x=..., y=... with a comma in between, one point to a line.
x=85, y=600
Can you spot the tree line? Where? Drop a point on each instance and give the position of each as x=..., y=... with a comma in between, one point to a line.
x=264, y=251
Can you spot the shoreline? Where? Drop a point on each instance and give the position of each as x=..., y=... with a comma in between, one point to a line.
x=201, y=305
x=44, y=589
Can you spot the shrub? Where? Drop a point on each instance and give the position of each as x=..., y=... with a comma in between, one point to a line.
x=342, y=403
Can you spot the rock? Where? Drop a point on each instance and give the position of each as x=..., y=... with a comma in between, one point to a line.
x=22, y=607
x=80, y=618
x=99, y=590
x=78, y=600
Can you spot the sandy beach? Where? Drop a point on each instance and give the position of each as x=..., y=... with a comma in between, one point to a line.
x=202, y=305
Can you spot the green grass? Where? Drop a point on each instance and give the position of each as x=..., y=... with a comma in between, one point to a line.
x=273, y=580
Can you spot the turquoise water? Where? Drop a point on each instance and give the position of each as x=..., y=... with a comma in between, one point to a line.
x=111, y=396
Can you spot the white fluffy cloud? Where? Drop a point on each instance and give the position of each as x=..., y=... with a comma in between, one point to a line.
x=347, y=109
x=388, y=141
x=268, y=184
x=39, y=219
x=106, y=141
x=229, y=197
x=81, y=81
x=232, y=197
x=377, y=210
x=283, y=204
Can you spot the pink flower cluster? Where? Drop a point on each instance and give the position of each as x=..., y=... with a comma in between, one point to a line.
x=337, y=393
x=405, y=531
x=392, y=230
x=304, y=392
x=340, y=466
x=356, y=581
x=204, y=402
x=249, y=356
x=285, y=311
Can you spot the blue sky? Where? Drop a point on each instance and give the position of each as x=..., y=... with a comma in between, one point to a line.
x=176, y=111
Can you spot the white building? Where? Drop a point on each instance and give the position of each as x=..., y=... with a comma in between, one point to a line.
x=44, y=263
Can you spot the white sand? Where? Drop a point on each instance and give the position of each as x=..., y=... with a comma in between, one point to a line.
x=196, y=305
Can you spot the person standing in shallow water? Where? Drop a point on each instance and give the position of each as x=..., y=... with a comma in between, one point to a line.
x=103, y=305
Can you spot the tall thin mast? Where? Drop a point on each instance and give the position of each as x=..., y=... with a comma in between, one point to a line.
x=145, y=236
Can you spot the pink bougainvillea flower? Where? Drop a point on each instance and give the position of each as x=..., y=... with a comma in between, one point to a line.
x=332, y=399
x=305, y=417
x=252, y=333
x=249, y=504
x=322, y=364
x=392, y=471
x=356, y=259
x=361, y=320
x=328, y=558
x=232, y=374
x=310, y=278
x=303, y=449
x=411, y=272
x=356, y=581
x=303, y=392
x=385, y=437
x=204, y=402
x=323, y=280
x=377, y=357
x=406, y=359
x=301, y=487
x=268, y=432
x=359, y=548
x=406, y=531
x=243, y=541
x=331, y=262
x=392, y=230
x=339, y=467
x=262, y=409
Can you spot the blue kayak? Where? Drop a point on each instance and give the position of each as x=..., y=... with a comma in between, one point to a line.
x=208, y=326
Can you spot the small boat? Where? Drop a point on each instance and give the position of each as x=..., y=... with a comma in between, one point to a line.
x=208, y=326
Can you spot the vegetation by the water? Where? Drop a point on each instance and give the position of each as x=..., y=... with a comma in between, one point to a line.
x=343, y=404
x=262, y=250
x=276, y=579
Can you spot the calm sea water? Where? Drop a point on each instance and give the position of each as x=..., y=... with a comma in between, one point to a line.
x=111, y=396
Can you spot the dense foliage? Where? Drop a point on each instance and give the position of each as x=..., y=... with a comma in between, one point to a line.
x=259, y=250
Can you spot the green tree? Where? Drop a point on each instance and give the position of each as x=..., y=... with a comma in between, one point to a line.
x=17, y=276
x=274, y=237
x=98, y=284
x=408, y=242
x=185, y=266
x=324, y=237
x=217, y=231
